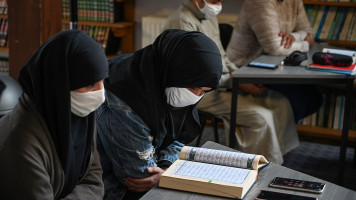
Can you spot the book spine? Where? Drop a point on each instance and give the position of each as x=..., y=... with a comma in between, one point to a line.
x=342, y=110
x=321, y=24
x=353, y=36
x=321, y=112
x=347, y=23
x=341, y=23
x=106, y=37
x=5, y=32
x=2, y=29
x=318, y=19
x=326, y=110
x=352, y=26
x=314, y=15
x=331, y=111
x=111, y=11
x=337, y=112
x=333, y=25
x=328, y=22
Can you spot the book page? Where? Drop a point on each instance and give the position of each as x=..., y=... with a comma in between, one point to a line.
x=219, y=157
x=211, y=172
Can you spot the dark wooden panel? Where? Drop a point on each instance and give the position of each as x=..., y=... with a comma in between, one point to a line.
x=31, y=22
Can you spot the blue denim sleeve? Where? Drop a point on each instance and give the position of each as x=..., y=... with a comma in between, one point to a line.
x=170, y=154
x=125, y=138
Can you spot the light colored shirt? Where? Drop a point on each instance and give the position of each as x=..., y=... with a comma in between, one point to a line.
x=188, y=17
x=257, y=28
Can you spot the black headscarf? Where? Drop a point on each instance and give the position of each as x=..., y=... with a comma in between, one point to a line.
x=68, y=61
x=177, y=58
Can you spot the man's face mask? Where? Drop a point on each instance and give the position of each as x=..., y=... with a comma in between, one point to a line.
x=181, y=97
x=209, y=10
x=82, y=104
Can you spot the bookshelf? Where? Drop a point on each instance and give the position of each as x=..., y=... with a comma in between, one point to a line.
x=119, y=27
x=318, y=133
x=325, y=125
x=42, y=19
x=334, y=41
x=324, y=135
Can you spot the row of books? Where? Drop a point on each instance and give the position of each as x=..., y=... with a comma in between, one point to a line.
x=89, y=10
x=330, y=114
x=4, y=66
x=3, y=32
x=3, y=7
x=98, y=33
x=332, y=22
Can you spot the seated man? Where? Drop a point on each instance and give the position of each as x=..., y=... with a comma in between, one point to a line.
x=276, y=27
x=265, y=123
x=150, y=109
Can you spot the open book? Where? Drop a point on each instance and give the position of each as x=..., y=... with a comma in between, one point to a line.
x=215, y=172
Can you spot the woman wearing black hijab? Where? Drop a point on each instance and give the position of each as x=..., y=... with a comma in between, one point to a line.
x=150, y=109
x=47, y=142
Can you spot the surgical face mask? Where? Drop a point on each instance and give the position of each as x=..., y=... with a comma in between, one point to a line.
x=209, y=10
x=82, y=104
x=181, y=97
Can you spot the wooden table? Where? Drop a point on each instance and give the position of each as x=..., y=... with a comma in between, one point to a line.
x=332, y=191
x=295, y=75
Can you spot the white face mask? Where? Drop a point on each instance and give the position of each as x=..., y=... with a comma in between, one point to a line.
x=181, y=97
x=209, y=10
x=82, y=104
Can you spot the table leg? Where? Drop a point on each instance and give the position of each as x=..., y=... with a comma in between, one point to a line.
x=345, y=131
x=232, y=136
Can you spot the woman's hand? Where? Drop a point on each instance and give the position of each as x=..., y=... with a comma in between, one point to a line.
x=144, y=184
x=287, y=39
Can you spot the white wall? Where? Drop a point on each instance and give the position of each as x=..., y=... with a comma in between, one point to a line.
x=148, y=7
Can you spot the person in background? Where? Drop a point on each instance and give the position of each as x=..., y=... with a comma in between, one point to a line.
x=265, y=123
x=47, y=142
x=276, y=27
x=150, y=109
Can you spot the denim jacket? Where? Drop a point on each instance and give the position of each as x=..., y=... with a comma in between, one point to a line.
x=126, y=146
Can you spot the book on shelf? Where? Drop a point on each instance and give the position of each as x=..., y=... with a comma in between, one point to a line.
x=89, y=10
x=348, y=20
x=318, y=19
x=4, y=65
x=214, y=172
x=341, y=112
x=331, y=113
x=320, y=113
x=322, y=22
x=328, y=23
x=352, y=33
x=336, y=112
x=334, y=23
x=340, y=24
